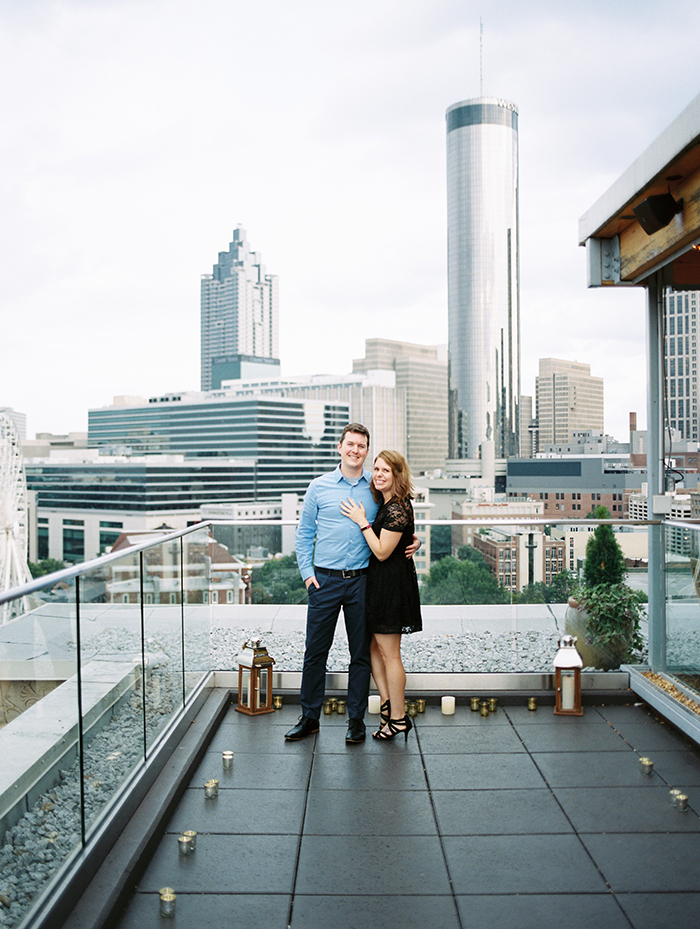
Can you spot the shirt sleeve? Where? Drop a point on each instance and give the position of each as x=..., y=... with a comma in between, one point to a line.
x=306, y=532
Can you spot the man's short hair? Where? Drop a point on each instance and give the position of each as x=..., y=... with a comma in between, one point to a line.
x=355, y=427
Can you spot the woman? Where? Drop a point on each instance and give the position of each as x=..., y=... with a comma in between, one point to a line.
x=393, y=603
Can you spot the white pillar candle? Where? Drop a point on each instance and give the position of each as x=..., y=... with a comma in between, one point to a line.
x=448, y=706
x=375, y=703
x=568, y=692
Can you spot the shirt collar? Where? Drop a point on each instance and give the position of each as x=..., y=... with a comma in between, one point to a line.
x=339, y=476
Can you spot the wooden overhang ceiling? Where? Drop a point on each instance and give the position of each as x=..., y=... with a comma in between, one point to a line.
x=620, y=251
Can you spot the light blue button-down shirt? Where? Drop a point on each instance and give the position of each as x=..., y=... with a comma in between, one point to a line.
x=339, y=542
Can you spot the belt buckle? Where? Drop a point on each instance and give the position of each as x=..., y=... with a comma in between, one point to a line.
x=347, y=573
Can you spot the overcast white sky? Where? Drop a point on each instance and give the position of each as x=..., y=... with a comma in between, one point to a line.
x=136, y=134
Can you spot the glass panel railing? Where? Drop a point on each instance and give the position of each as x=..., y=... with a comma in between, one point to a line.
x=682, y=571
x=206, y=578
x=493, y=600
x=40, y=810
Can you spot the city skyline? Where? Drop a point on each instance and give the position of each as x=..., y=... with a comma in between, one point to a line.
x=123, y=172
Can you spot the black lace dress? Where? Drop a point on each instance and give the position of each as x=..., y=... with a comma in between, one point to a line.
x=393, y=602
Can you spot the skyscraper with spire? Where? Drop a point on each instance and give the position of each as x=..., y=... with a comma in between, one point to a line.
x=239, y=316
x=483, y=277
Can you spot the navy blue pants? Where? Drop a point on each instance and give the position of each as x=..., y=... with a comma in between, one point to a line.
x=321, y=619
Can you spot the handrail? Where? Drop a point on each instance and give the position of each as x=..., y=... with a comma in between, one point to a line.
x=65, y=574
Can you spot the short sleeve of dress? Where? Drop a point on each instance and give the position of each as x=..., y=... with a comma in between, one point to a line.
x=396, y=518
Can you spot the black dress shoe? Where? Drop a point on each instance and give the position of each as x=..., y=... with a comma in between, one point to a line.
x=356, y=731
x=305, y=726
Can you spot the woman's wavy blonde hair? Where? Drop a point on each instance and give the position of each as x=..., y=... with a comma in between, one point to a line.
x=403, y=488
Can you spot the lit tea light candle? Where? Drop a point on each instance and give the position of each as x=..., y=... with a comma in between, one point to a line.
x=375, y=704
x=646, y=765
x=211, y=788
x=227, y=758
x=167, y=904
x=184, y=843
x=192, y=835
x=448, y=706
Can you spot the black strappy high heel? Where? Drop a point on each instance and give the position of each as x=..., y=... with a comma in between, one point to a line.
x=395, y=727
x=384, y=717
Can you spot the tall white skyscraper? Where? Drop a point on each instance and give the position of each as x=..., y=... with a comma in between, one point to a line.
x=483, y=276
x=239, y=315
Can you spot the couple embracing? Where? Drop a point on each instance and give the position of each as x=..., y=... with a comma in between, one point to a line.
x=355, y=545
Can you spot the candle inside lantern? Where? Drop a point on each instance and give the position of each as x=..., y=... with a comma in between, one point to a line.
x=211, y=788
x=568, y=691
x=167, y=904
x=184, y=843
x=227, y=759
x=448, y=706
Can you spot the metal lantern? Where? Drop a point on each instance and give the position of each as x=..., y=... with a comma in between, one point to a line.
x=567, y=678
x=255, y=679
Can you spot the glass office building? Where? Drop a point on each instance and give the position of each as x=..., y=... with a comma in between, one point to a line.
x=483, y=276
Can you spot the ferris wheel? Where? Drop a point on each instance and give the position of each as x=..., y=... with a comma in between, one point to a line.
x=13, y=519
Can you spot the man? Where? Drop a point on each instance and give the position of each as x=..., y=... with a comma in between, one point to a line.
x=335, y=574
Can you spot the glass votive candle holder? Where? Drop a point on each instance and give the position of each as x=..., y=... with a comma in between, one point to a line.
x=227, y=759
x=420, y=705
x=327, y=707
x=211, y=789
x=493, y=704
x=474, y=703
x=484, y=708
x=341, y=706
x=184, y=844
x=532, y=703
x=673, y=795
x=167, y=903
x=412, y=708
x=192, y=835
x=334, y=704
x=682, y=803
x=277, y=702
x=646, y=765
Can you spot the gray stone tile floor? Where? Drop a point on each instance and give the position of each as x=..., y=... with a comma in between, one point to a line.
x=517, y=819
